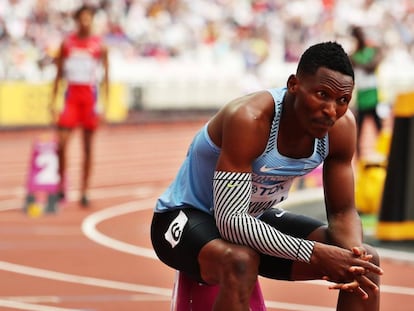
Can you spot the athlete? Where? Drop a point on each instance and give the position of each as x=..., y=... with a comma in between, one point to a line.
x=81, y=57
x=365, y=59
x=217, y=222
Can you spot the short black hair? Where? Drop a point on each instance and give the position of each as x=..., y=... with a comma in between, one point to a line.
x=330, y=55
x=80, y=10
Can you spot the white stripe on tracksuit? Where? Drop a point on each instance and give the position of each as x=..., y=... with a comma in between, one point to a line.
x=232, y=192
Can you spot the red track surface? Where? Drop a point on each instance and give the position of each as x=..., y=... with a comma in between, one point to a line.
x=101, y=258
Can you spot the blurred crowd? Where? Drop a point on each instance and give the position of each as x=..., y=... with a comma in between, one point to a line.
x=31, y=30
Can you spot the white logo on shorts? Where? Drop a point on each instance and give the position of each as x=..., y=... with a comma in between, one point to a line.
x=175, y=230
x=280, y=213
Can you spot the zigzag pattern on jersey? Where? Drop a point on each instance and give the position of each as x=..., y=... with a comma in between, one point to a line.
x=274, y=128
x=321, y=146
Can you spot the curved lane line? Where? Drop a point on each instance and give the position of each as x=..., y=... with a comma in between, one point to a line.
x=90, y=223
x=84, y=280
x=89, y=228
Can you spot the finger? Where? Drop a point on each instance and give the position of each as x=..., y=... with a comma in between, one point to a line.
x=361, y=292
x=357, y=270
x=361, y=253
x=357, y=251
x=366, y=257
x=338, y=286
x=349, y=287
x=370, y=267
x=366, y=282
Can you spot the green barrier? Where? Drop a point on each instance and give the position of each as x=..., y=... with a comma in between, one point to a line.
x=396, y=218
x=26, y=104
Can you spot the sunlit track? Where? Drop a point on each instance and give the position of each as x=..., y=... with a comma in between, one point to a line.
x=121, y=173
x=48, y=263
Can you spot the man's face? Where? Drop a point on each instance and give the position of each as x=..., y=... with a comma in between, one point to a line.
x=85, y=21
x=321, y=99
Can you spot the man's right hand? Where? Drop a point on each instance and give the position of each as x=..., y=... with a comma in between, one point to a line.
x=346, y=268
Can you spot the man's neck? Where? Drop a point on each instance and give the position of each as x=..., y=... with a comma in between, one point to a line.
x=83, y=34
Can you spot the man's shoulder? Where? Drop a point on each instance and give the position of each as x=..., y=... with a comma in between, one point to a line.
x=254, y=106
x=247, y=120
x=96, y=38
x=343, y=133
x=70, y=37
x=345, y=123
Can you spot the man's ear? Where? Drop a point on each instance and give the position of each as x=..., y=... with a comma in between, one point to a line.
x=292, y=83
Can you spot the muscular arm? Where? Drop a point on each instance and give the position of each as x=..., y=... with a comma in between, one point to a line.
x=244, y=131
x=344, y=227
x=59, y=72
x=59, y=61
x=105, y=80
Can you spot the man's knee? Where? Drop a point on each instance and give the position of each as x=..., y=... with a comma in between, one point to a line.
x=373, y=252
x=373, y=276
x=240, y=261
x=224, y=262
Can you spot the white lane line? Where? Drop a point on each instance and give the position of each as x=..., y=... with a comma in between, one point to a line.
x=316, y=194
x=33, y=299
x=295, y=307
x=89, y=228
x=15, y=191
x=394, y=255
x=297, y=197
x=84, y=298
x=31, y=307
x=390, y=289
x=90, y=223
x=84, y=280
x=11, y=204
x=98, y=193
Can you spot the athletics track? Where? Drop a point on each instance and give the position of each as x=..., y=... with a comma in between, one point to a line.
x=101, y=258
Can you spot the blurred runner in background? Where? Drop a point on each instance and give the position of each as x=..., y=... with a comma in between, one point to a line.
x=365, y=60
x=81, y=57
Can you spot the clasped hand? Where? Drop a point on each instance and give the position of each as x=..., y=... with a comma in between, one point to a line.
x=349, y=270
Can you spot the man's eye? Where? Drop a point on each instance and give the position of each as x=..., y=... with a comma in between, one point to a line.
x=343, y=101
x=321, y=94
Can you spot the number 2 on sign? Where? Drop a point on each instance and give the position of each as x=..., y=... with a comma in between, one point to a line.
x=48, y=174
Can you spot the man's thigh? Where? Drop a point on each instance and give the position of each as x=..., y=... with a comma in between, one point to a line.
x=179, y=235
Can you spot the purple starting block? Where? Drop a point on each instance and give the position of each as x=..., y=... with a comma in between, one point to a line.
x=44, y=167
x=189, y=295
x=43, y=174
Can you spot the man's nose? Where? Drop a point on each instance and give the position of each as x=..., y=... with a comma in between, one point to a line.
x=329, y=109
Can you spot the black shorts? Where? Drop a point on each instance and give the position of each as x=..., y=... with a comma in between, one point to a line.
x=179, y=235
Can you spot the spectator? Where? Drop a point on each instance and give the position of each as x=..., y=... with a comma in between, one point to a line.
x=171, y=29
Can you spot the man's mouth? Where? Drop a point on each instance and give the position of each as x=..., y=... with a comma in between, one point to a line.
x=326, y=123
